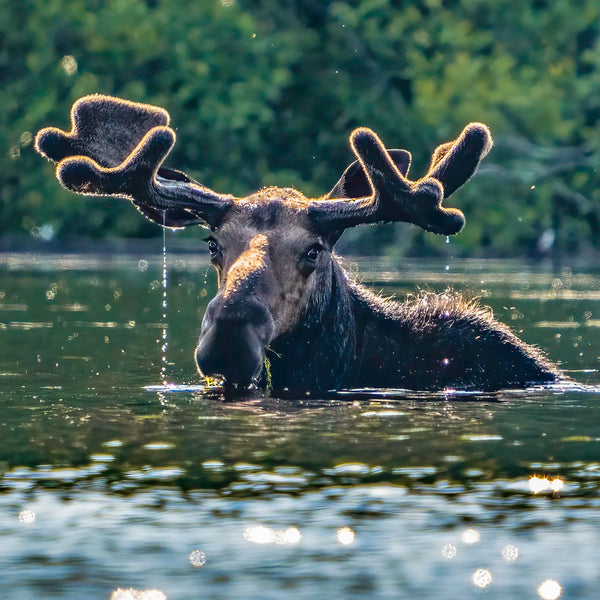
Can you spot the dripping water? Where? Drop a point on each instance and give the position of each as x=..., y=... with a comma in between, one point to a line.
x=164, y=339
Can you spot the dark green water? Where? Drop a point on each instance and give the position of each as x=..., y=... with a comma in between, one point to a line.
x=107, y=485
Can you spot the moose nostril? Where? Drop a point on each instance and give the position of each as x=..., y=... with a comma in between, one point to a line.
x=232, y=350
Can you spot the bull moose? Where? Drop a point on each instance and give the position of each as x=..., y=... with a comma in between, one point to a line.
x=282, y=294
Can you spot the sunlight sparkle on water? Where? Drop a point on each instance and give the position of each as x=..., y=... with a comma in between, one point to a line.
x=345, y=536
x=470, y=536
x=26, y=517
x=260, y=534
x=289, y=537
x=449, y=551
x=198, y=558
x=537, y=485
x=510, y=553
x=131, y=594
x=481, y=578
x=549, y=590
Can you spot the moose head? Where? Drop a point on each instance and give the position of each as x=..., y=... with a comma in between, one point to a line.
x=273, y=250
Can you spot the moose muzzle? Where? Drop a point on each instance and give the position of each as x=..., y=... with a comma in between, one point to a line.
x=238, y=325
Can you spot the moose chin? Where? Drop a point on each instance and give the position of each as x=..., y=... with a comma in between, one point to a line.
x=283, y=299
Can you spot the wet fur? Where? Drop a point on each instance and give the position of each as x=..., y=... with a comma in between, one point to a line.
x=352, y=338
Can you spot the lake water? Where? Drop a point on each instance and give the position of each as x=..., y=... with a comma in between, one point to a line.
x=107, y=484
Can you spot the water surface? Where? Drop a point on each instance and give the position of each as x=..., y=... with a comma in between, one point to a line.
x=111, y=480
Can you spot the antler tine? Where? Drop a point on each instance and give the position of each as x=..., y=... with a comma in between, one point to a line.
x=395, y=198
x=116, y=148
x=454, y=163
x=354, y=183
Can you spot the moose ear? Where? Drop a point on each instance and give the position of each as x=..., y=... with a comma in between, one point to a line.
x=354, y=183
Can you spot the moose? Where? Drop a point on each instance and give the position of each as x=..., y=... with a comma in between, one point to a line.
x=283, y=297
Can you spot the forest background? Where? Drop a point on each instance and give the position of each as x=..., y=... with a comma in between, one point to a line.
x=267, y=92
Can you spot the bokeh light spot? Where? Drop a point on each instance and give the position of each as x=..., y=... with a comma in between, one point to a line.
x=538, y=485
x=345, y=536
x=260, y=534
x=549, y=590
x=470, y=536
x=289, y=536
x=131, y=594
x=198, y=558
x=449, y=551
x=69, y=65
x=510, y=553
x=26, y=517
x=481, y=578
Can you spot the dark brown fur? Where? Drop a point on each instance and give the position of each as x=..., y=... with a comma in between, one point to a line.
x=281, y=289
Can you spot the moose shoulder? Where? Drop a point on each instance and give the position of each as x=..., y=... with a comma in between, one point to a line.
x=281, y=289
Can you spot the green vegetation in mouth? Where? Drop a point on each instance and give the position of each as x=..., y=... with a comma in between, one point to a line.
x=269, y=382
x=212, y=382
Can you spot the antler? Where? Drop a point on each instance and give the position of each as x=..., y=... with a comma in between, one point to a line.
x=116, y=148
x=380, y=192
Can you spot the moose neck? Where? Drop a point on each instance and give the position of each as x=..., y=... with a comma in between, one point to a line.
x=319, y=352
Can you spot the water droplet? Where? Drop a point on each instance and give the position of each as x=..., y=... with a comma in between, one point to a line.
x=447, y=267
x=447, y=239
x=164, y=346
x=69, y=65
x=449, y=551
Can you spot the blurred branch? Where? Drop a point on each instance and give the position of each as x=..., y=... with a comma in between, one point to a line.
x=519, y=159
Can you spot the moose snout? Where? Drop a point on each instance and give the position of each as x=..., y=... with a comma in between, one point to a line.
x=233, y=341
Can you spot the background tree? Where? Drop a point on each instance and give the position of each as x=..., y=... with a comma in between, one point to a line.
x=266, y=93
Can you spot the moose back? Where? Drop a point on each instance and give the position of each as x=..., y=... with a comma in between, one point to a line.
x=282, y=293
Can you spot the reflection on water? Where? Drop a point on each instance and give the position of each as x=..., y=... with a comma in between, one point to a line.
x=345, y=536
x=132, y=594
x=549, y=590
x=117, y=485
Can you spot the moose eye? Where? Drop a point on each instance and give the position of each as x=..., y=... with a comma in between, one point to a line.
x=313, y=252
x=213, y=247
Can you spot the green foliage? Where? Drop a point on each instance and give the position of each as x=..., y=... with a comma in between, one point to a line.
x=266, y=92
